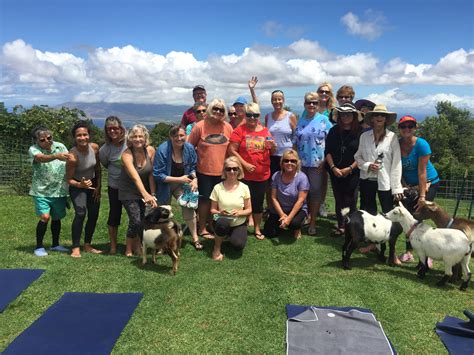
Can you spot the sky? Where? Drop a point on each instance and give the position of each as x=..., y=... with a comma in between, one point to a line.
x=407, y=55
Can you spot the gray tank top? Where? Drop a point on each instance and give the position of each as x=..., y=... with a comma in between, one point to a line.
x=127, y=188
x=85, y=164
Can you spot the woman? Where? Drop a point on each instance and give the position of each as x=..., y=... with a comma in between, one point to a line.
x=136, y=184
x=230, y=205
x=364, y=106
x=344, y=95
x=48, y=186
x=210, y=137
x=309, y=142
x=252, y=144
x=83, y=174
x=173, y=167
x=417, y=169
x=378, y=158
x=199, y=109
x=110, y=155
x=342, y=143
x=290, y=189
x=232, y=115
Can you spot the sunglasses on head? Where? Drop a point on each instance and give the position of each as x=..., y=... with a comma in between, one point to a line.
x=218, y=109
x=314, y=103
x=252, y=115
x=292, y=161
x=405, y=126
x=200, y=111
x=231, y=168
x=48, y=138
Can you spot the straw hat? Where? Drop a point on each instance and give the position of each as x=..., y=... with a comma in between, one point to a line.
x=348, y=107
x=390, y=117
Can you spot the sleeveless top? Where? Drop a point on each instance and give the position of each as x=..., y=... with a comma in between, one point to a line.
x=127, y=188
x=281, y=132
x=85, y=167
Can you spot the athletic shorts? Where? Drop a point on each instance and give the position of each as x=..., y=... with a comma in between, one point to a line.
x=205, y=185
x=54, y=206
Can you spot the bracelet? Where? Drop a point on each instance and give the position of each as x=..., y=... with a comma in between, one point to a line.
x=350, y=167
x=332, y=166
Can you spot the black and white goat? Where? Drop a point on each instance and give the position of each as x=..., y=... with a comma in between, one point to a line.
x=450, y=245
x=363, y=226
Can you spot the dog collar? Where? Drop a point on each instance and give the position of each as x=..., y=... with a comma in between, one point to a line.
x=450, y=223
x=413, y=227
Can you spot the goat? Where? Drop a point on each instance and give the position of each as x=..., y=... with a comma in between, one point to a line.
x=360, y=226
x=450, y=245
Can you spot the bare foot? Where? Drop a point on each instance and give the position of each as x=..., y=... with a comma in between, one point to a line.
x=90, y=249
x=76, y=253
x=297, y=234
x=218, y=257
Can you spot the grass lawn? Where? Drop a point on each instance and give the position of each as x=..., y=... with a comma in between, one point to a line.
x=237, y=306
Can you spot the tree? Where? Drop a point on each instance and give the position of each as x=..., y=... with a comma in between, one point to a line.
x=160, y=133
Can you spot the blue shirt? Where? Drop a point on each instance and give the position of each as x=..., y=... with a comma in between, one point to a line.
x=287, y=194
x=310, y=139
x=410, y=164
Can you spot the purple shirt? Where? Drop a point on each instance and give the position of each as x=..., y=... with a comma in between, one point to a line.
x=287, y=194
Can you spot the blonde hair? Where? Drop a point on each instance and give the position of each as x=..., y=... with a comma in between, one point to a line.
x=131, y=133
x=233, y=159
x=293, y=153
x=252, y=108
x=218, y=103
x=331, y=100
x=311, y=96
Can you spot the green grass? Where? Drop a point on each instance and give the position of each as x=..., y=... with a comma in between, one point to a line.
x=237, y=306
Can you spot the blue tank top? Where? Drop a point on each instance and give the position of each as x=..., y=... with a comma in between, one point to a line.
x=410, y=164
x=281, y=132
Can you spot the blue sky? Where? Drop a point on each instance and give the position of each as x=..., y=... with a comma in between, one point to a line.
x=406, y=54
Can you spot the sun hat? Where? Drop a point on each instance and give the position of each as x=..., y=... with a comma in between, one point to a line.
x=198, y=88
x=347, y=107
x=407, y=118
x=390, y=117
x=364, y=102
x=240, y=101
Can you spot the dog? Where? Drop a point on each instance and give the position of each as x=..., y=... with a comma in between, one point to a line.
x=450, y=245
x=162, y=233
x=360, y=226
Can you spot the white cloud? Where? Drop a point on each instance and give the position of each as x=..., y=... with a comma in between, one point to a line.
x=275, y=29
x=370, y=29
x=128, y=74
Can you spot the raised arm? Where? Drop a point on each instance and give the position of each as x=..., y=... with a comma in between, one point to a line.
x=252, y=83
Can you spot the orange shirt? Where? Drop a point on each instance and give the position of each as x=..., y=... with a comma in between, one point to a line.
x=211, y=141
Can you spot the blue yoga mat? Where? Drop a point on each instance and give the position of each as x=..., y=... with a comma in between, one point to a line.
x=79, y=323
x=13, y=282
x=457, y=335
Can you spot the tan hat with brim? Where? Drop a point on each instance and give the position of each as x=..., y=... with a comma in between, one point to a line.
x=390, y=117
x=348, y=107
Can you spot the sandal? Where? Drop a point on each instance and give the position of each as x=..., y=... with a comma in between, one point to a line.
x=206, y=235
x=259, y=236
x=198, y=246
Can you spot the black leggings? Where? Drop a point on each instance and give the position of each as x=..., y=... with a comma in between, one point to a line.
x=257, y=193
x=238, y=234
x=272, y=225
x=84, y=203
x=345, y=195
x=368, y=192
x=115, y=208
x=136, y=211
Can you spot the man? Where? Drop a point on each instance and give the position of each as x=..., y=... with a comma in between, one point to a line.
x=199, y=95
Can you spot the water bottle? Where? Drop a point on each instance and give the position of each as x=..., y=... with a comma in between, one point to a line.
x=378, y=161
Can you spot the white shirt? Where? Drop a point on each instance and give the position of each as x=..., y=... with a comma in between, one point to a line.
x=389, y=177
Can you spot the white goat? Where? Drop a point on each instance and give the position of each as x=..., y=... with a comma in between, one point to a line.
x=450, y=245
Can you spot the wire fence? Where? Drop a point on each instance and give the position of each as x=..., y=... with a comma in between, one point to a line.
x=15, y=174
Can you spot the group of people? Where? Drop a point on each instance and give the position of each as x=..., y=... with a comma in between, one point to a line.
x=225, y=162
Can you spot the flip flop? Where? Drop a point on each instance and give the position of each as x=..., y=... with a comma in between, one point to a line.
x=259, y=236
x=198, y=246
x=206, y=235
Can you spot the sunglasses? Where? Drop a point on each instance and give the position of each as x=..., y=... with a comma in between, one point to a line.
x=324, y=92
x=405, y=126
x=231, y=168
x=252, y=115
x=314, y=103
x=292, y=161
x=200, y=111
x=345, y=97
x=232, y=113
x=218, y=109
x=48, y=138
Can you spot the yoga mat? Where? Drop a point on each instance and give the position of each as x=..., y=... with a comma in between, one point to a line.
x=457, y=335
x=334, y=330
x=79, y=323
x=13, y=282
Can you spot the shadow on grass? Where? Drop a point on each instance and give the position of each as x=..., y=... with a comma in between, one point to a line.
x=163, y=264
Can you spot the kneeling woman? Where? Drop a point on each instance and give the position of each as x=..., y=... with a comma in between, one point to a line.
x=290, y=188
x=230, y=205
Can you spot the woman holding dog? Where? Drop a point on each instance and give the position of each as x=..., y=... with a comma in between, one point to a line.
x=173, y=167
x=230, y=205
x=342, y=143
x=379, y=160
x=110, y=155
x=136, y=184
x=290, y=189
x=48, y=186
x=83, y=174
x=417, y=169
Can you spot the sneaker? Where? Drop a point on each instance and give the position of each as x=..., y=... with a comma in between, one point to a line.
x=40, y=252
x=322, y=210
x=59, y=248
x=407, y=257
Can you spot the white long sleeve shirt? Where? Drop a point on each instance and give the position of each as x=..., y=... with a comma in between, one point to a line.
x=390, y=175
